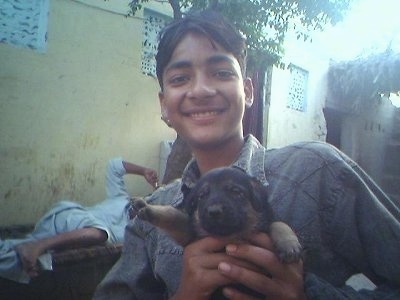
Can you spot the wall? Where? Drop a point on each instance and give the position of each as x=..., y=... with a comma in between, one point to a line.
x=286, y=125
x=65, y=112
x=365, y=136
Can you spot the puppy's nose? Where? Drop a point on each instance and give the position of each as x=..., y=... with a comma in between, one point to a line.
x=214, y=211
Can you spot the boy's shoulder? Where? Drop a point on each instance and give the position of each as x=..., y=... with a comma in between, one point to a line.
x=308, y=151
x=169, y=194
x=316, y=147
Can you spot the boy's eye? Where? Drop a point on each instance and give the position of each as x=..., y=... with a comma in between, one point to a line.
x=178, y=79
x=224, y=74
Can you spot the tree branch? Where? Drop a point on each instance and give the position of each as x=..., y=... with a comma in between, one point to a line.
x=176, y=9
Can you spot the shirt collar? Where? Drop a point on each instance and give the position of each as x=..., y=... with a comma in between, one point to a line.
x=251, y=160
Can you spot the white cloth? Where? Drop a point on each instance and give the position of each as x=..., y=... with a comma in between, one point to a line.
x=110, y=215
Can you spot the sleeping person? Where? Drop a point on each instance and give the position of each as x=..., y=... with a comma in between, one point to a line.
x=71, y=225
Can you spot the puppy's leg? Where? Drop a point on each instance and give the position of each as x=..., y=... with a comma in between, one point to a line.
x=286, y=242
x=173, y=221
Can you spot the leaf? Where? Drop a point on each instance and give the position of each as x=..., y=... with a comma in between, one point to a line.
x=265, y=23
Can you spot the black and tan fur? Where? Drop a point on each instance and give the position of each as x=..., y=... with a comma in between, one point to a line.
x=225, y=202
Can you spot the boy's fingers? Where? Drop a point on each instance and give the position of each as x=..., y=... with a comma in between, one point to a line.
x=262, y=240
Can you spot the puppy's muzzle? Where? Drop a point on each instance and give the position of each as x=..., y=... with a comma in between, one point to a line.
x=219, y=220
x=215, y=211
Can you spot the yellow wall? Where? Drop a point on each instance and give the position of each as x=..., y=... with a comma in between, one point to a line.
x=65, y=112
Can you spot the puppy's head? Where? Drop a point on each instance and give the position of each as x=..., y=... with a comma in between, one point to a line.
x=226, y=202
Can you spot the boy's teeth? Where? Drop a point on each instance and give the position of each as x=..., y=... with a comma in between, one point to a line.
x=208, y=113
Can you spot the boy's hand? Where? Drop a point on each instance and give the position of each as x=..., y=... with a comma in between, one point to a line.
x=200, y=275
x=275, y=281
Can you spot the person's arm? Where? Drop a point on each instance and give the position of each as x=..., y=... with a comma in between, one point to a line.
x=131, y=277
x=365, y=233
x=358, y=226
x=361, y=227
x=143, y=256
x=148, y=173
x=117, y=168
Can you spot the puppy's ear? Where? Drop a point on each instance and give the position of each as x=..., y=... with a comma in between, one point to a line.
x=185, y=190
x=189, y=202
x=259, y=193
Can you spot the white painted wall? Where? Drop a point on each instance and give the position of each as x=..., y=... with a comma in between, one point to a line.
x=286, y=125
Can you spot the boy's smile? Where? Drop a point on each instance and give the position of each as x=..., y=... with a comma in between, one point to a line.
x=204, y=95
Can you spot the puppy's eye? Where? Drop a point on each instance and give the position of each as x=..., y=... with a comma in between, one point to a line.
x=236, y=192
x=202, y=195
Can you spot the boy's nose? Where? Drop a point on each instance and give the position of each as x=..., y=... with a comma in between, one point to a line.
x=201, y=88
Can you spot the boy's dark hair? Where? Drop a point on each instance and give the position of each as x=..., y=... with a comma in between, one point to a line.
x=211, y=24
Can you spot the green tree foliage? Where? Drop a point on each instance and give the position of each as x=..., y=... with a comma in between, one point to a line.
x=266, y=22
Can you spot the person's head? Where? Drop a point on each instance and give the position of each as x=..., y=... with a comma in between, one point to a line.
x=201, y=63
x=208, y=23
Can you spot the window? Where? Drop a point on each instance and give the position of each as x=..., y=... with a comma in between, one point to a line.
x=24, y=23
x=297, y=98
x=153, y=24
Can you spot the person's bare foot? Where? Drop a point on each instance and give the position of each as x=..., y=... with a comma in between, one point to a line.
x=28, y=253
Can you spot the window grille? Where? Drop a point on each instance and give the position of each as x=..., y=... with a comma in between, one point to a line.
x=24, y=23
x=153, y=23
x=297, y=98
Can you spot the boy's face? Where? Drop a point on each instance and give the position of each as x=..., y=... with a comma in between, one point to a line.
x=204, y=94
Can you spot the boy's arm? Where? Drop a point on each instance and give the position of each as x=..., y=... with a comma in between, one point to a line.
x=132, y=276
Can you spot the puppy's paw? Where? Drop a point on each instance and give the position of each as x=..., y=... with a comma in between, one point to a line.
x=287, y=245
x=289, y=251
x=145, y=213
x=142, y=208
x=138, y=202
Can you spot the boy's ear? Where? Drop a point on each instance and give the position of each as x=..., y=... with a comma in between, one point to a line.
x=162, y=104
x=164, y=111
x=190, y=198
x=259, y=194
x=248, y=91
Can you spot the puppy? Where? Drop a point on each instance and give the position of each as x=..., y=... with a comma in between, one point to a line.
x=226, y=202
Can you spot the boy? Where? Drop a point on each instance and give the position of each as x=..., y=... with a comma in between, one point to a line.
x=343, y=220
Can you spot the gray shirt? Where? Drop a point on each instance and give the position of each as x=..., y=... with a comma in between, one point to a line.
x=346, y=224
